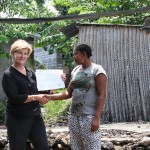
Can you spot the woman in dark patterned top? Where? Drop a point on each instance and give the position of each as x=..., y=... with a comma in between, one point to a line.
x=88, y=91
x=23, y=113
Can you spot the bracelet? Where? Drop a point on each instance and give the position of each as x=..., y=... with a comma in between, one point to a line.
x=33, y=98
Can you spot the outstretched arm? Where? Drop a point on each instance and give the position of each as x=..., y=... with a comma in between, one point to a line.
x=40, y=98
x=61, y=96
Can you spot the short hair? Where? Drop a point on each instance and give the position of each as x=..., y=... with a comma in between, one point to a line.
x=84, y=48
x=20, y=44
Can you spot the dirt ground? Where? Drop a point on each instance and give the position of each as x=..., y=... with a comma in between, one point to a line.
x=132, y=126
x=126, y=126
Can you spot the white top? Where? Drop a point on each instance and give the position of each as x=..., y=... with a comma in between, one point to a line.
x=84, y=96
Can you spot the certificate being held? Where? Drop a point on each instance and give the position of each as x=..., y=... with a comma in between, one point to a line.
x=49, y=79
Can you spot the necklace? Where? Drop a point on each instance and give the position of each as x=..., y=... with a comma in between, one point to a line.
x=21, y=70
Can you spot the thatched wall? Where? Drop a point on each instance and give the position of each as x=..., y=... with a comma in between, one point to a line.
x=124, y=52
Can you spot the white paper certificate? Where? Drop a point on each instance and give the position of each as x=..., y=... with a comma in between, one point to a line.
x=49, y=79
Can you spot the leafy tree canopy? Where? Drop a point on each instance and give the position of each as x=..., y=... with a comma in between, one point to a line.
x=22, y=9
x=66, y=7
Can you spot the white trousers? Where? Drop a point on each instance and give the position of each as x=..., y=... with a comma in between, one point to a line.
x=81, y=137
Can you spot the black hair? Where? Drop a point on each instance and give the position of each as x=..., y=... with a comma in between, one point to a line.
x=84, y=48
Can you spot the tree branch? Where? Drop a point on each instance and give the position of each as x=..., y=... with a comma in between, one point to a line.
x=73, y=17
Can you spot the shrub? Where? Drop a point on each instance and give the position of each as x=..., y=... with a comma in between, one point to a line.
x=2, y=112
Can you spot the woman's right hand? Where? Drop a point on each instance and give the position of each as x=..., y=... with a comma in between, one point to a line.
x=41, y=98
x=48, y=96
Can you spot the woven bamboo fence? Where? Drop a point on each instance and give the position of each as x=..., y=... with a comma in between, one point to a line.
x=124, y=52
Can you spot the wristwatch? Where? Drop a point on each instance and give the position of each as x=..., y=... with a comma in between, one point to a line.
x=33, y=98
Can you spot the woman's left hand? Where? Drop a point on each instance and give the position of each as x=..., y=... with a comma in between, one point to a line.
x=63, y=77
x=95, y=124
